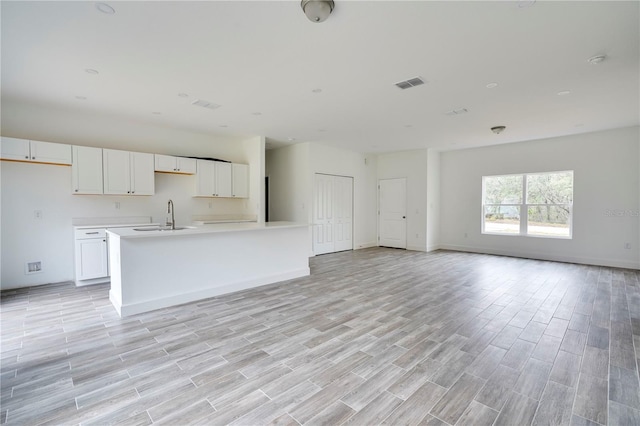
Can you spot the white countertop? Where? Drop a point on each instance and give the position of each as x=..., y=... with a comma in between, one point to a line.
x=205, y=229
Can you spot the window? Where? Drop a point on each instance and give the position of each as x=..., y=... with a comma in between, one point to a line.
x=536, y=204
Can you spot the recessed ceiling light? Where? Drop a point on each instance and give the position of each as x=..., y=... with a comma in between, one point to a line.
x=457, y=111
x=291, y=139
x=492, y=85
x=579, y=125
x=223, y=125
x=256, y=113
x=498, y=129
x=91, y=71
x=408, y=125
x=105, y=8
x=595, y=60
x=322, y=130
x=156, y=113
x=317, y=90
x=564, y=93
x=81, y=98
x=183, y=95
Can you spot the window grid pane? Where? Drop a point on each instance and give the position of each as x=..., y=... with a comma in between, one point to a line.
x=546, y=198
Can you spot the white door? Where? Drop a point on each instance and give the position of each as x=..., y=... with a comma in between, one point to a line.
x=332, y=214
x=323, y=214
x=392, y=195
x=343, y=213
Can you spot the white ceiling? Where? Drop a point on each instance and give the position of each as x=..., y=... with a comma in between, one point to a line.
x=266, y=57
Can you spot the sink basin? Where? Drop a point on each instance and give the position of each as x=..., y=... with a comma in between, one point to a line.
x=163, y=228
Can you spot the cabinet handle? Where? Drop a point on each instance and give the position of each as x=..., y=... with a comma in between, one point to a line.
x=93, y=233
x=76, y=190
x=33, y=158
x=128, y=192
x=26, y=156
x=133, y=192
x=104, y=241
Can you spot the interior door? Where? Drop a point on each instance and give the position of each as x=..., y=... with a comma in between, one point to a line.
x=323, y=241
x=393, y=213
x=343, y=212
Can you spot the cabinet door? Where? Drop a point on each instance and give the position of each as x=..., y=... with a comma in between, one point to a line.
x=15, y=149
x=91, y=259
x=240, y=180
x=165, y=163
x=86, y=170
x=47, y=152
x=223, y=179
x=117, y=171
x=205, y=178
x=142, y=177
x=186, y=165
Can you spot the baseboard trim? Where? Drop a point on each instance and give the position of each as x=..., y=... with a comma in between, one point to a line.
x=417, y=248
x=433, y=248
x=614, y=263
x=366, y=245
x=179, y=299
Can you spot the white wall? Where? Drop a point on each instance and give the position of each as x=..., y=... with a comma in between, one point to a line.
x=411, y=165
x=433, y=200
x=606, y=169
x=27, y=187
x=291, y=171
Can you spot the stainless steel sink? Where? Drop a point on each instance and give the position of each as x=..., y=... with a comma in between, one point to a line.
x=162, y=228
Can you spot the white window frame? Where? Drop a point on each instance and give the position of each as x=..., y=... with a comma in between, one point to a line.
x=524, y=208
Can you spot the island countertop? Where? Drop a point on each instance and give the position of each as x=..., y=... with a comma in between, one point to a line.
x=205, y=229
x=159, y=269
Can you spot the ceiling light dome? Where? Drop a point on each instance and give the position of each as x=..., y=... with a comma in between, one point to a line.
x=317, y=10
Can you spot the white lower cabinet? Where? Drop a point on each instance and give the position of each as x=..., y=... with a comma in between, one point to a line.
x=92, y=263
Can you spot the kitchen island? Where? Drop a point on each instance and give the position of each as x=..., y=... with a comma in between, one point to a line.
x=156, y=269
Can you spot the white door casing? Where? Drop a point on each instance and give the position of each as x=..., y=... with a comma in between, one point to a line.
x=392, y=196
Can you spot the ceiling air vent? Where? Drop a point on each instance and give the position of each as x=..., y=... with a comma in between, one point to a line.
x=412, y=82
x=205, y=104
x=457, y=111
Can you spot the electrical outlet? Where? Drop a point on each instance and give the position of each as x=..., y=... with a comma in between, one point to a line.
x=465, y=235
x=37, y=214
x=417, y=236
x=210, y=204
x=117, y=205
x=627, y=246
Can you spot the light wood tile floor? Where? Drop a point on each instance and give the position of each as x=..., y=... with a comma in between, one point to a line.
x=375, y=336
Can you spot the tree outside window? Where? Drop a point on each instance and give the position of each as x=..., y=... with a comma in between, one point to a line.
x=535, y=204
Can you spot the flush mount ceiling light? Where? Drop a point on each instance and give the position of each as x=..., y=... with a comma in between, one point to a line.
x=564, y=93
x=595, y=60
x=317, y=10
x=183, y=95
x=105, y=8
x=498, y=129
x=492, y=85
x=91, y=71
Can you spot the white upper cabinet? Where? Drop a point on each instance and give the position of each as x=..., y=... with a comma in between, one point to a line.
x=223, y=179
x=86, y=170
x=35, y=151
x=128, y=173
x=213, y=179
x=240, y=180
x=171, y=164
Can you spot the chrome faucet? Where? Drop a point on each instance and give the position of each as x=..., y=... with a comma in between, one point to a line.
x=173, y=218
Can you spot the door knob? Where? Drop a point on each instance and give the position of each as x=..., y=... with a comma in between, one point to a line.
x=404, y=217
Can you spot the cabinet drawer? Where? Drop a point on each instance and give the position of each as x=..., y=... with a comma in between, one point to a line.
x=82, y=234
